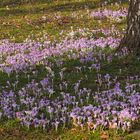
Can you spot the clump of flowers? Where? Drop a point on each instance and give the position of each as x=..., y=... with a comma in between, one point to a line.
x=109, y=14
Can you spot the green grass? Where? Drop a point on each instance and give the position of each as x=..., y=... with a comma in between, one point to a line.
x=12, y=131
x=21, y=20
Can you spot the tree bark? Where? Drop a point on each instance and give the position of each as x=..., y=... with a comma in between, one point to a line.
x=131, y=39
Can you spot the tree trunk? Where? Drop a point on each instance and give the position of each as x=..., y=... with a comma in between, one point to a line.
x=131, y=39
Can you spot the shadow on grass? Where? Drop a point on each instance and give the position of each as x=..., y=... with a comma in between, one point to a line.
x=68, y=6
x=4, y=3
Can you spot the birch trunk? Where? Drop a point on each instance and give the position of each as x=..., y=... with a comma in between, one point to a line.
x=132, y=38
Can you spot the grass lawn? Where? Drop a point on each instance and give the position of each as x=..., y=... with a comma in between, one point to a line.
x=18, y=21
